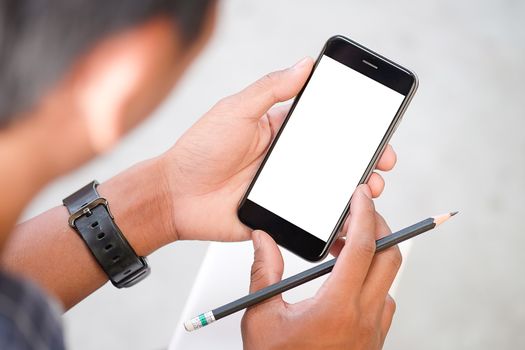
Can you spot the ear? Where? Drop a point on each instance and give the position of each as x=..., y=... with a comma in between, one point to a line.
x=123, y=78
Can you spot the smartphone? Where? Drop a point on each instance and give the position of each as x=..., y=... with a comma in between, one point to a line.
x=337, y=128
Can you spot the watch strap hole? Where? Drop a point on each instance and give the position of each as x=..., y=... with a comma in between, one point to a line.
x=92, y=220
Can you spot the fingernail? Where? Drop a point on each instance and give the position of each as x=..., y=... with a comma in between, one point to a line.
x=301, y=63
x=256, y=239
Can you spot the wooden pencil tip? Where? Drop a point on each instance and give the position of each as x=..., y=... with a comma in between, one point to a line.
x=438, y=220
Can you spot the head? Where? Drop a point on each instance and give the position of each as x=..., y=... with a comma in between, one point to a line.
x=76, y=75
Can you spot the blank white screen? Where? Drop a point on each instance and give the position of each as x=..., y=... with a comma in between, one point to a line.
x=325, y=147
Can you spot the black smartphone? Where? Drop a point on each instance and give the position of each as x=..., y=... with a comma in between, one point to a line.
x=336, y=130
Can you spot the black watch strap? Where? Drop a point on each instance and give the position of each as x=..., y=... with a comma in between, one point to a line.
x=91, y=218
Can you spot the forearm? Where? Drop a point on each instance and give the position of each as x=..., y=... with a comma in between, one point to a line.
x=48, y=251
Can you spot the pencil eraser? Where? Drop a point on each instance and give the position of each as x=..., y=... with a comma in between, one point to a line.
x=188, y=325
x=200, y=321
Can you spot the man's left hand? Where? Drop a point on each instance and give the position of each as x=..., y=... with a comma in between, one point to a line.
x=206, y=173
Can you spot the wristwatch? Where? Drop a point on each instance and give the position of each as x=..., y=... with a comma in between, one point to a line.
x=92, y=220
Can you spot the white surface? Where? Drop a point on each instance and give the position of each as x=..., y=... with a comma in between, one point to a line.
x=325, y=147
x=223, y=277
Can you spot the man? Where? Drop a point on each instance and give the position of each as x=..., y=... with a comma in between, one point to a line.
x=77, y=75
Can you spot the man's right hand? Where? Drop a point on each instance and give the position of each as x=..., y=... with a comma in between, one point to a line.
x=352, y=310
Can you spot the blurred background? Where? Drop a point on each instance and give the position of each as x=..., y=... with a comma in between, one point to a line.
x=460, y=147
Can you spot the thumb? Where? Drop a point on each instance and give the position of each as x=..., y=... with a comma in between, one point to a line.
x=267, y=267
x=279, y=86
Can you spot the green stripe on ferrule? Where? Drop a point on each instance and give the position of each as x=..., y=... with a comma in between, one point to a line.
x=203, y=320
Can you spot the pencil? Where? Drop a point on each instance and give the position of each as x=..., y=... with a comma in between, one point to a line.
x=386, y=242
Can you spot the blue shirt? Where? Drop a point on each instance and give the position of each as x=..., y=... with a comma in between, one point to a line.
x=28, y=319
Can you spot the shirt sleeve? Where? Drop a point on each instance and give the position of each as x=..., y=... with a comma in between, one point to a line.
x=28, y=318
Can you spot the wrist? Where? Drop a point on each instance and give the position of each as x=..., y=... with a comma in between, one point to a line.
x=140, y=202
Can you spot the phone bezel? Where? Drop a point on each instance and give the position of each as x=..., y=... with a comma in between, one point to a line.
x=388, y=73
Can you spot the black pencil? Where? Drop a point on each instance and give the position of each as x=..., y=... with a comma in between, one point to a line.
x=386, y=242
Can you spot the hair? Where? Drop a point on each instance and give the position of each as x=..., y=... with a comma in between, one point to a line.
x=40, y=39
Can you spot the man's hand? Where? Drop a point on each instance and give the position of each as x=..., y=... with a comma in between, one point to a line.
x=209, y=169
x=352, y=310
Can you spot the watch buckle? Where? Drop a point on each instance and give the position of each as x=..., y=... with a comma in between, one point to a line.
x=86, y=210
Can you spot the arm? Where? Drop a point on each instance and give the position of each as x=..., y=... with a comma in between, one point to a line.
x=190, y=192
x=50, y=252
x=196, y=184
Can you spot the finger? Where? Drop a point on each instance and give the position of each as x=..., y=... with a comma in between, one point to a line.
x=354, y=260
x=388, y=159
x=274, y=87
x=345, y=226
x=387, y=316
x=382, y=228
x=267, y=267
x=376, y=184
x=336, y=248
x=276, y=117
x=383, y=270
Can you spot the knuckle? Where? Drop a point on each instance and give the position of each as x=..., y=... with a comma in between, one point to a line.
x=390, y=305
x=265, y=82
x=366, y=208
x=268, y=82
x=369, y=208
x=225, y=103
x=382, y=224
x=249, y=324
x=269, y=78
x=366, y=246
x=245, y=320
x=395, y=258
x=355, y=313
x=368, y=327
x=257, y=273
x=398, y=257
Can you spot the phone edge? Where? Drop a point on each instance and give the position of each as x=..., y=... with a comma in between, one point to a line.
x=373, y=162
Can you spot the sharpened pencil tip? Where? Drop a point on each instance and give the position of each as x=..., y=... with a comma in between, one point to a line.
x=438, y=220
